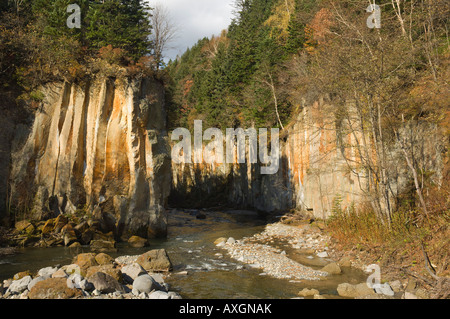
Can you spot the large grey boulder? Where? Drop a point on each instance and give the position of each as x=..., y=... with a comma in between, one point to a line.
x=144, y=283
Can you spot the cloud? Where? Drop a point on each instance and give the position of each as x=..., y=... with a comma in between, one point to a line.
x=196, y=19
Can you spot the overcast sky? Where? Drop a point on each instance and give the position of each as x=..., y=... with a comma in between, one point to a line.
x=196, y=19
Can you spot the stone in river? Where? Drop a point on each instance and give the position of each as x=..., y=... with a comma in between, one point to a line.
x=18, y=286
x=105, y=283
x=155, y=260
x=144, y=283
x=322, y=254
x=220, y=241
x=104, y=259
x=354, y=291
x=47, y=272
x=137, y=242
x=53, y=288
x=308, y=292
x=131, y=272
x=332, y=269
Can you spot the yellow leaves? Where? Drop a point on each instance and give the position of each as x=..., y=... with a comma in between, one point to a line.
x=280, y=18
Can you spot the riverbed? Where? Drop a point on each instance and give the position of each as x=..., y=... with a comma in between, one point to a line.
x=203, y=270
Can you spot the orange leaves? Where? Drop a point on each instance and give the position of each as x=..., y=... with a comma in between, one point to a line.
x=317, y=30
x=112, y=55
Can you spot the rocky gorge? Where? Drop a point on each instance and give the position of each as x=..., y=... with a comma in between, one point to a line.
x=94, y=169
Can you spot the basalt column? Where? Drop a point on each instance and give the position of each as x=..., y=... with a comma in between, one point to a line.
x=97, y=147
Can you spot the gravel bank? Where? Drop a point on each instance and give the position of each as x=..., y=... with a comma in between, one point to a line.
x=255, y=252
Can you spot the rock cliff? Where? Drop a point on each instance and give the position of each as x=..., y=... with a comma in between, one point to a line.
x=97, y=146
x=319, y=168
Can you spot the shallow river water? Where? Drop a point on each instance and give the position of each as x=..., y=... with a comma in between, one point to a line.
x=211, y=273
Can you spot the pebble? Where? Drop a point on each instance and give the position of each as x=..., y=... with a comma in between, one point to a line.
x=273, y=261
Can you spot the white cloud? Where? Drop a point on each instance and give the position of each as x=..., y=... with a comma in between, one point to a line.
x=196, y=19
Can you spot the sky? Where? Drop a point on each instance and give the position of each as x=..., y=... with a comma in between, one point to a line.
x=195, y=20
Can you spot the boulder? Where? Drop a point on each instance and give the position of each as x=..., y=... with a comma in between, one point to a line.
x=75, y=245
x=308, y=292
x=107, y=269
x=53, y=288
x=155, y=260
x=131, y=272
x=220, y=241
x=104, y=259
x=85, y=261
x=73, y=281
x=144, y=283
x=345, y=262
x=332, y=269
x=19, y=286
x=22, y=274
x=73, y=269
x=60, y=273
x=35, y=281
x=137, y=242
x=396, y=285
x=47, y=272
x=354, y=291
x=105, y=283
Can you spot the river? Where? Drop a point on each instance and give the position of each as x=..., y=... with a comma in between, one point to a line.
x=211, y=274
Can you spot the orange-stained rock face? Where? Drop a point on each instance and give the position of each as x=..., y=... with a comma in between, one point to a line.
x=313, y=173
x=97, y=144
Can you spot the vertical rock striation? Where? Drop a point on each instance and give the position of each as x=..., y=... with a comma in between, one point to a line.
x=319, y=169
x=99, y=146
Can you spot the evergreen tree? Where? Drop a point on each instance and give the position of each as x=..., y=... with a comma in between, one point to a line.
x=122, y=24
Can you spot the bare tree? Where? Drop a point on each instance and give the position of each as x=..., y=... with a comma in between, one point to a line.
x=164, y=31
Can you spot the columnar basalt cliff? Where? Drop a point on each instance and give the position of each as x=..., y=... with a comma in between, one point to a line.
x=320, y=170
x=99, y=147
